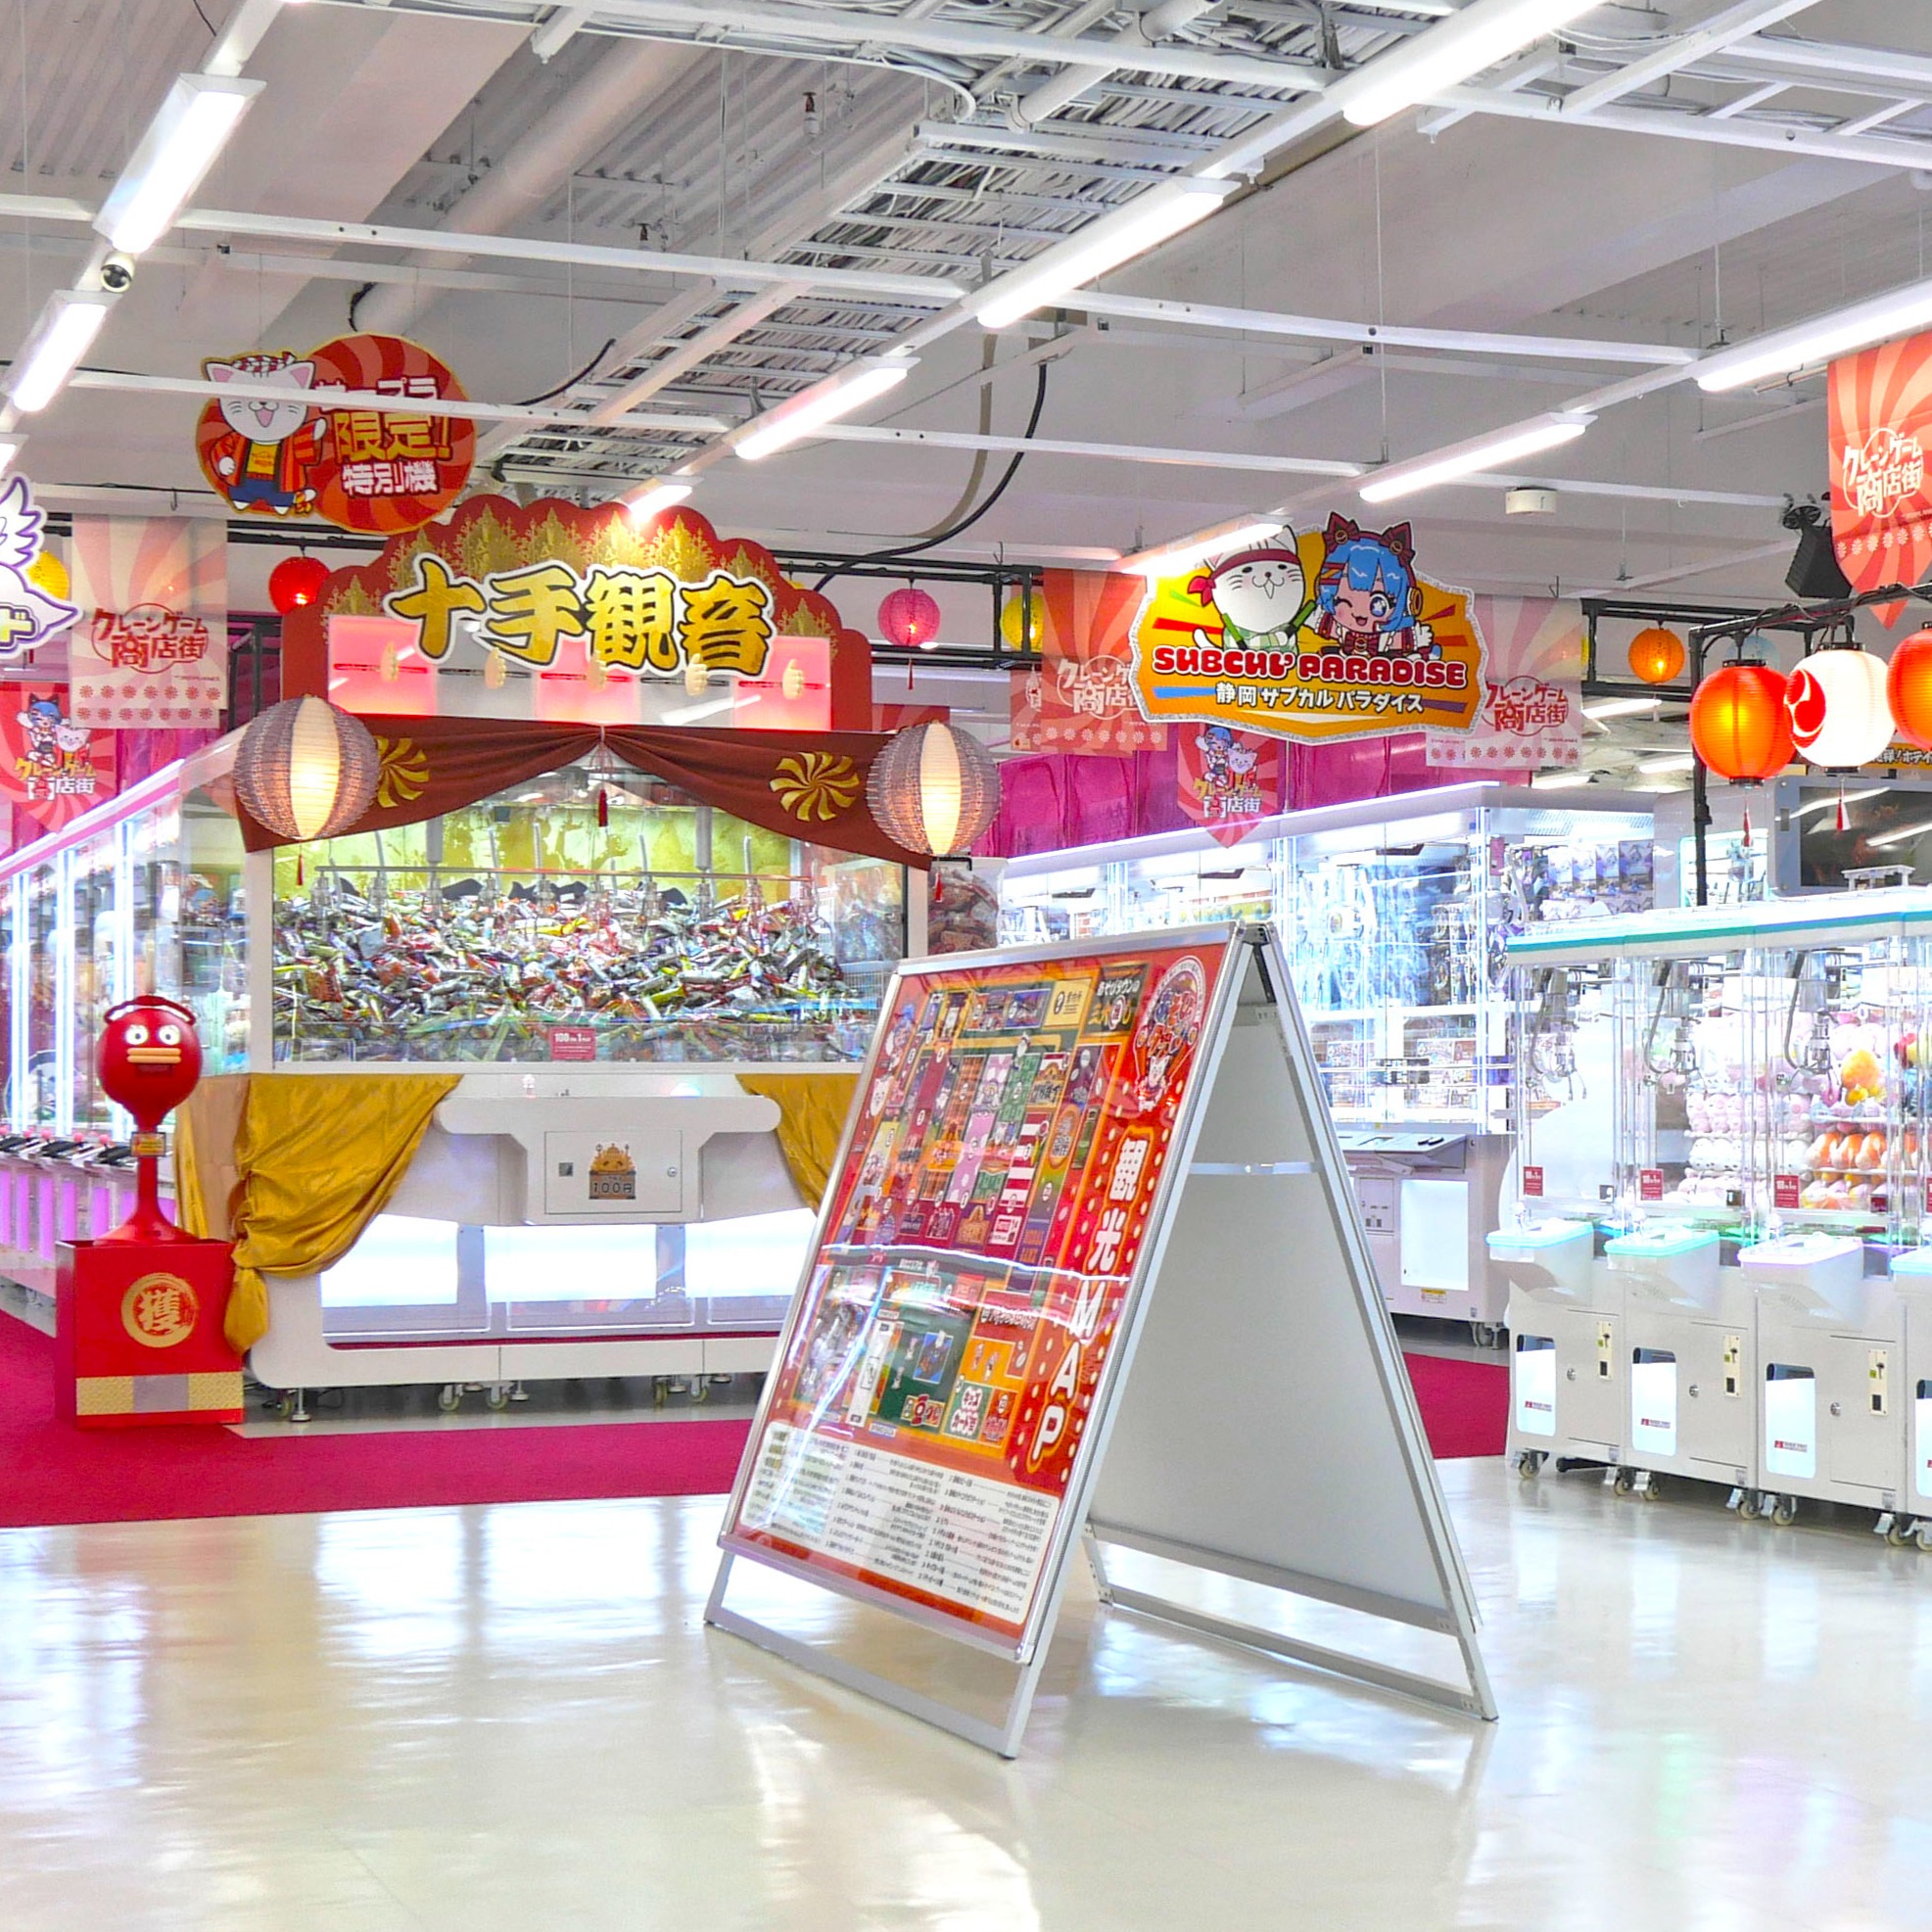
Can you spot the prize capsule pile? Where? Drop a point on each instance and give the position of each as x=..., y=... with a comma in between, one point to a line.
x=462, y=975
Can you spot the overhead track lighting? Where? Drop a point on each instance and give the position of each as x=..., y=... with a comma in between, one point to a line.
x=1102, y=245
x=1167, y=558
x=194, y=123
x=1483, y=33
x=796, y=418
x=62, y=336
x=1473, y=458
x=1805, y=345
x=662, y=493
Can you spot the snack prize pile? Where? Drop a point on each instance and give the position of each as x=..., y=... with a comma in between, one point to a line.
x=461, y=973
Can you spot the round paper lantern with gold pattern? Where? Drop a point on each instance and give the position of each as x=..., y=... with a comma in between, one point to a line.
x=934, y=789
x=306, y=768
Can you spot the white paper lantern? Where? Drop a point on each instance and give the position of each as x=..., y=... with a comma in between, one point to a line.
x=306, y=768
x=934, y=788
x=1839, y=714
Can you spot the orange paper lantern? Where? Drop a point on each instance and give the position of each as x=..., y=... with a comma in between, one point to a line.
x=1738, y=722
x=1657, y=655
x=1908, y=687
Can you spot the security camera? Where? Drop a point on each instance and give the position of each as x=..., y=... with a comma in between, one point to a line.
x=117, y=273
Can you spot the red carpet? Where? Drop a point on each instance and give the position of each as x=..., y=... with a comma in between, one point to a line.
x=53, y=1473
x=1465, y=1405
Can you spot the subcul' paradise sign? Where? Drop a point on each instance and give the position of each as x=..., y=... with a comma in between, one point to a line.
x=1319, y=636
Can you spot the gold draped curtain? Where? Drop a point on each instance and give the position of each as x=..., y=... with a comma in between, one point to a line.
x=812, y=1110
x=316, y=1158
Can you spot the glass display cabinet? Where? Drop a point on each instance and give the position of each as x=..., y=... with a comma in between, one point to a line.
x=596, y=954
x=1396, y=913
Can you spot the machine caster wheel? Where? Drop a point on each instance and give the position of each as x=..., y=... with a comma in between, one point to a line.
x=1528, y=1463
x=1784, y=1511
x=1897, y=1533
x=498, y=1396
x=1483, y=1333
x=660, y=1391
x=1747, y=1507
x=1922, y=1537
x=1623, y=1482
x=700, y=1388
x=1652, y=1489
x=450, y=1397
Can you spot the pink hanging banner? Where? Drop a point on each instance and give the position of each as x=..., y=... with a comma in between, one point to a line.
x=51, y=769
x=1081, y=697
x=1229, y=779
x=1881, y=509
x=150, y=649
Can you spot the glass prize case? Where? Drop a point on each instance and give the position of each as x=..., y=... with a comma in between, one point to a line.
x=1396, y=913
x=1766, y=1064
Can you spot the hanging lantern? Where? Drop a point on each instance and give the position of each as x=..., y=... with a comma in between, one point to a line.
x=1909, y=688
x=910, y=617
x=1024, y=621
x=1738, y=724
x=296, y=581
x=306, y=768
x=1836, y=703
x=1657, y=655
x=934, y=789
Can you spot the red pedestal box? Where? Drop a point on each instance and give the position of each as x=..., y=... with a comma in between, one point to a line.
x=139, y=1338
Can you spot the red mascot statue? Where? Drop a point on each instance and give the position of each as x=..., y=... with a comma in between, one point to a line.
x=141, y=1307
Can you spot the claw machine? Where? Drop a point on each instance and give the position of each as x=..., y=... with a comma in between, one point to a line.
x=1396, y=913
x=597, y=965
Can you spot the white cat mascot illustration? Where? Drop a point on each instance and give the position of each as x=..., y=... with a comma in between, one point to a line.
x=260, y=460
x=1261, y=596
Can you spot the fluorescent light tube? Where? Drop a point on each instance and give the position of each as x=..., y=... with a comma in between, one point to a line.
x=1674, y=761
x=825, y=402
x=1483, y=33
x=660, y=494
x=9, y=450
x=1471, y=458
x=63, y=335
x=1620, y=707
x=1102, y=245
x=1185, y=550
x=180, y=146
x=1784, y=351
x=1570, y=781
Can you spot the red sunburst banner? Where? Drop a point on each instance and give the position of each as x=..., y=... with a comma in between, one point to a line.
x=1881, y=511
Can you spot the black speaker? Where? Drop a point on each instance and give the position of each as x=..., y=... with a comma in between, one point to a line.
x=1814, y=574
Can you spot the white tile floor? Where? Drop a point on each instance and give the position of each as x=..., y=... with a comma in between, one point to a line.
x=512, y=1718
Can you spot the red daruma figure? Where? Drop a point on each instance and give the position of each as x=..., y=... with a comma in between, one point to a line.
x=149, y=1060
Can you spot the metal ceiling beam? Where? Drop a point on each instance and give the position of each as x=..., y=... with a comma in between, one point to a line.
x=1106, y=452
x=1880, y=65
x=1720, y=30
x=716, y=20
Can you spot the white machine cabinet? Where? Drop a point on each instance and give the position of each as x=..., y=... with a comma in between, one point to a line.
x=1762, y=1192
x=1395, y=911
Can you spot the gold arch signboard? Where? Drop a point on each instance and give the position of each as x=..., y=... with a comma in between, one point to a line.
x=1318, y=636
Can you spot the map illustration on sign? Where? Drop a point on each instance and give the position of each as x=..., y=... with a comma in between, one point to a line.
x=931, y=1404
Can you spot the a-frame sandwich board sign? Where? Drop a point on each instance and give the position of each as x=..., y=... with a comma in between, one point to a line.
x=1089, y=1273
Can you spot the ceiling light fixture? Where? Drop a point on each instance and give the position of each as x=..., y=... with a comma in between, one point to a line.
x=660, y=494
x=62, y=336
x=1620, y=707
x=797, y=416
x=1570, y=781
x=1673, y=761
x=1784, y=351
x=1102, y=245
x=1166, y=558
x=192, y=128
x=1474, y=456
x=1483, y=33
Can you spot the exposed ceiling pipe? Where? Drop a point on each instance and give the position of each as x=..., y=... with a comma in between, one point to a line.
x=1045, y=101
x=568, y=133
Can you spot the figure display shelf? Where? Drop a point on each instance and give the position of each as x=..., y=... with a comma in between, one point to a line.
x=1770, y=1064
x=1395, y=913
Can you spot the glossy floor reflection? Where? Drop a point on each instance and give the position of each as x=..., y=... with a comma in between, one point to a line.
x=512, y=1718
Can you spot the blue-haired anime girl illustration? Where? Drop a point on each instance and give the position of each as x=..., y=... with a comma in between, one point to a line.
x=1366, y=597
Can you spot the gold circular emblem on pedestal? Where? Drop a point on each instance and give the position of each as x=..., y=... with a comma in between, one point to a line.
x=158, y=1310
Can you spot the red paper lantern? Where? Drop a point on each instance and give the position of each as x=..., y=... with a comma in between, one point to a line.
x=1909, y=688
x=909, y=616
x=1740, y=725
x=1657, y=655
x=295, y=582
